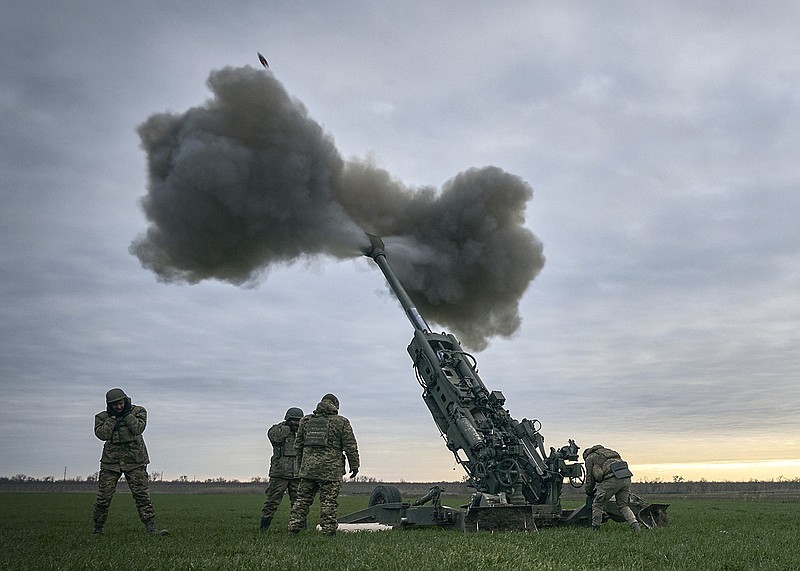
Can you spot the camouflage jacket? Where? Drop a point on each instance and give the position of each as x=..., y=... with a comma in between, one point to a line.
x=598, y=465
x=323, y=440
x=284, y=462
x=124, y=447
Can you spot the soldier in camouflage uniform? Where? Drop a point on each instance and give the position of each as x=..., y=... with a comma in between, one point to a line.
x=323, y=440
x=124, y=452
x=607, y=476
x=284, y=469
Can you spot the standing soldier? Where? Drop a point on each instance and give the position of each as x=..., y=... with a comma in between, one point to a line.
x=124, y=452
x=607, y=476
x=323, y=440
x=284, y=469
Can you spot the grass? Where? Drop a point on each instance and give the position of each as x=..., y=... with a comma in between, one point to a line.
x=208, y=531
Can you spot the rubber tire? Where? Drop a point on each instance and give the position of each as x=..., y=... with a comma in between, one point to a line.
x=385, y=495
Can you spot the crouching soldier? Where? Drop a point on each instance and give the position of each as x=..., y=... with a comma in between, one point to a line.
x=124, y=452
x=607, y=476
x=284, y=468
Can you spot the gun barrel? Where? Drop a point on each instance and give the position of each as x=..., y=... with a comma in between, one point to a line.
x=376, y=252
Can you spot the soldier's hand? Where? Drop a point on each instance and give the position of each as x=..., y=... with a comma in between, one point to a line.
x=353, y=474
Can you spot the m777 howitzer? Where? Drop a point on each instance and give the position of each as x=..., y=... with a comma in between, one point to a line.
x=518, y=483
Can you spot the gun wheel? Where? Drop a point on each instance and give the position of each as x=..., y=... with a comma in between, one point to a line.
x=385, y=495
x=508, y=472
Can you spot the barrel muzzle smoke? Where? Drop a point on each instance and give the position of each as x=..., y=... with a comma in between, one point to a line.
x=248, y=182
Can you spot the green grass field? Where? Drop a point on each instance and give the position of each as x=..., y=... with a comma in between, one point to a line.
x=52, y=531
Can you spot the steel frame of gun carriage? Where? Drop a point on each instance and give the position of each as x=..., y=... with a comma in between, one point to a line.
x=518, y=483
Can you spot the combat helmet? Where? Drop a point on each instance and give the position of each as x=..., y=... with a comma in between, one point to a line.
x=293, y=412
x=332, y=399
x=114, y=395
x=591, y=449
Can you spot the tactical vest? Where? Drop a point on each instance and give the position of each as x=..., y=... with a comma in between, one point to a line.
x=602, y=469
x=619, y=469
x=286, y=447
x=317, y=429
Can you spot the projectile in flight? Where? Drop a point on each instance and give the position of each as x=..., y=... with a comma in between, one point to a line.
x=263, y=60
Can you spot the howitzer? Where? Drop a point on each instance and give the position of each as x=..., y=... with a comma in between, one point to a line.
x=518, y=482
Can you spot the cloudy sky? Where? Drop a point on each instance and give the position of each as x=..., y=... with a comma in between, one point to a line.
x=660, y=140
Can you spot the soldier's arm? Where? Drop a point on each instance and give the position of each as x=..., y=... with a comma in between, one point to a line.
x=300, y=437
x=278, y=433
x=299, y=440
x=136, y=420
x=350, y=446
x=590, y=483
x=104, y=425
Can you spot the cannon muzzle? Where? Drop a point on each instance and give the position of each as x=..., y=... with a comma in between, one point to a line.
x=375, y=247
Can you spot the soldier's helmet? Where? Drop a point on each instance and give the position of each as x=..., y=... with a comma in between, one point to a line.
x=331, y=398
x=114, y=395
x=591, y=449
x=293, y=412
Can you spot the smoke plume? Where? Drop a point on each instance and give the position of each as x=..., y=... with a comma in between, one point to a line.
x=248, y=180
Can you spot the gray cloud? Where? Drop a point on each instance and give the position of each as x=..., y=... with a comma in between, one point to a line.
x=249, y=180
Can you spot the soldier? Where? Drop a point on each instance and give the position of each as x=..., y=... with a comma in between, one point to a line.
x=607, y=476
x=124, y=452
x=284, y=469
x=323, y=440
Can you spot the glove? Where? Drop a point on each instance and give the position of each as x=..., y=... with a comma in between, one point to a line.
x=353, y=473
x=125, y=411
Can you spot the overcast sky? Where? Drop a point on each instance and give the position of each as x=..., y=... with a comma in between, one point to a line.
x=661, y=142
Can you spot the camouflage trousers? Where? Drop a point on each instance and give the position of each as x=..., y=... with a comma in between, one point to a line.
x=620, y=490
x=328, y=504
x=137, y=482
x=275, y=490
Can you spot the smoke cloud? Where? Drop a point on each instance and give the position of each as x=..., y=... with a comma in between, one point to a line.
x=248, y=181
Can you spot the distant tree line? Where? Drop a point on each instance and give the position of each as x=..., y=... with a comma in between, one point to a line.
x=156, y=476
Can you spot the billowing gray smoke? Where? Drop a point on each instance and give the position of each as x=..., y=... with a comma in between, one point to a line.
x=248, y=180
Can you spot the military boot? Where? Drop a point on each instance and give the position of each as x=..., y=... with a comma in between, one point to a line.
x=150, y=526
x=265, y=521
x=635, y=527
x=98, y=528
